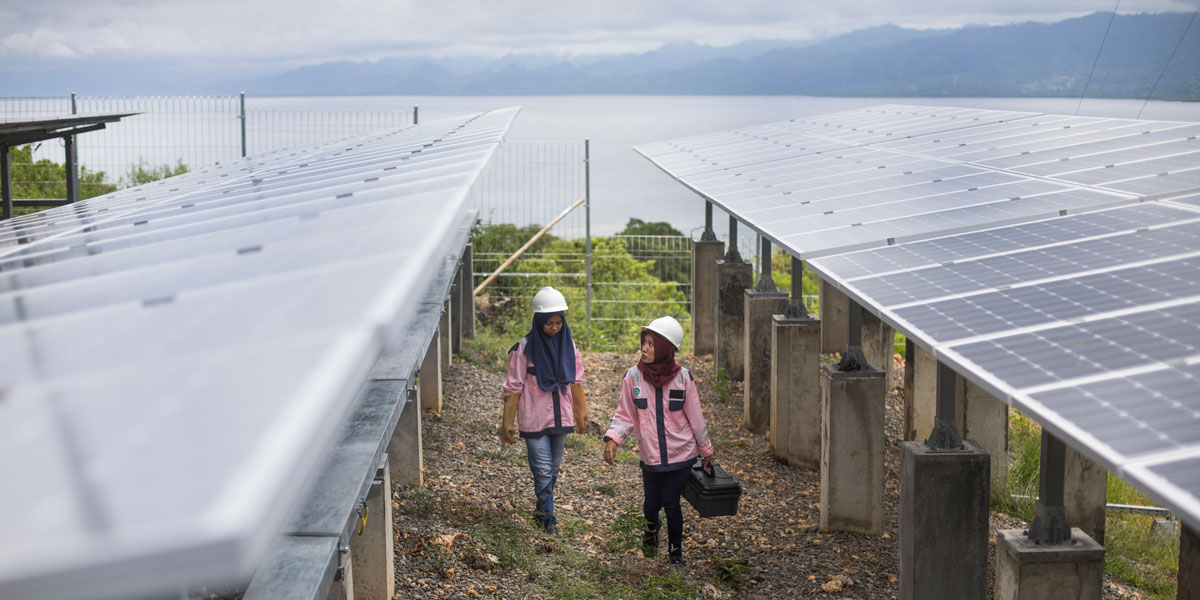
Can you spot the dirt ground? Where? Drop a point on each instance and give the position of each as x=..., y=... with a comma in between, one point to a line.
x=468, y=531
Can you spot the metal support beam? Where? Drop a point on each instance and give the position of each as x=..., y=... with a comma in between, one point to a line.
x=853, y=358
x=1050, y=516
x=732, y=255
x=708, y=235
x=945, y=435
x=242, y=118
x=796, y=308
x=587, y=208
x=72, y=169
x=5, y=184
x=766, y=283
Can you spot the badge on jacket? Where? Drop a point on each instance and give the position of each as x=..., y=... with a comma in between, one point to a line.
x=637, y=390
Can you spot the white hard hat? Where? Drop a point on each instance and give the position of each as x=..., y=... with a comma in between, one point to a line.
x=549, y=300
x=669, y=328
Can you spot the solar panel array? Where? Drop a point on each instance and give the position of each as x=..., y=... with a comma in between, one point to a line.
x=176, y=357
x=892, y=174
x=1054, y=260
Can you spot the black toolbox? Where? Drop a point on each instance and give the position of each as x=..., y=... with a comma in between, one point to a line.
x=712, y=491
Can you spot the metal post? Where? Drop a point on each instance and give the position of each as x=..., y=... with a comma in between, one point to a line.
x=795, y=308
x=708, y=235
x=945, y=435
x=416, y=111
x=72, y=169
x=1050, y=516
x=72, y=158
x=853, y=359
x=242, y=117
x=5, y=184
x=587, y=211
x=766, y=282
x=732, y=255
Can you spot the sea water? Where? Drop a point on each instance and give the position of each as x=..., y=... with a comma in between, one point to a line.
x=624, y=184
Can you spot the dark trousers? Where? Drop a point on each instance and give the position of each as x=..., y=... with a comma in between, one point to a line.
x=662, y=491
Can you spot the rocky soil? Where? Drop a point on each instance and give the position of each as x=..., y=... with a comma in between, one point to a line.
x=468, y=532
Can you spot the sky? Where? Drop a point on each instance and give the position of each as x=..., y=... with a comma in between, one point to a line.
x=244, y=37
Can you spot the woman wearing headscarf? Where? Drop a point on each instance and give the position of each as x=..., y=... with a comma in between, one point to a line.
x=659, y=402
x=543, y=392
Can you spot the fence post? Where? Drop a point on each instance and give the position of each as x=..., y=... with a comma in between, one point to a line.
x=72, y=159
x=587, y=211
x=242, y=117
x=416, y=110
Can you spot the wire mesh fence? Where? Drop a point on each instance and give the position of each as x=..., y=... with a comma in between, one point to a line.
x=169, y=134
x=619, y=282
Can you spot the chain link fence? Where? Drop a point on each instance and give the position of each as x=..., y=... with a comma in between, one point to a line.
x=619, y=282
x=168, y=135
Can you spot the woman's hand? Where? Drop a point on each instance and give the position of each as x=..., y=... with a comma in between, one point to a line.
x=610, y=452
x=707, y=462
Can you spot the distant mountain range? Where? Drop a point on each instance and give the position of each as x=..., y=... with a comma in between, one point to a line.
x=1027, y=59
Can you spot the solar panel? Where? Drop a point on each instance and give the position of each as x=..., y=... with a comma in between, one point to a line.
x=176, y=356
x=1028, y=251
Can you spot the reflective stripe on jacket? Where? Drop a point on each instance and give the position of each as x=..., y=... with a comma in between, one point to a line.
x=670, y=427
x=539, y=412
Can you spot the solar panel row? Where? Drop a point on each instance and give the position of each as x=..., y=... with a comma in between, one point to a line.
x=177, y=355
x=1025, y=250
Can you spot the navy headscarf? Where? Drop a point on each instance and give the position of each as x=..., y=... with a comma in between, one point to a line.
x=553, y=357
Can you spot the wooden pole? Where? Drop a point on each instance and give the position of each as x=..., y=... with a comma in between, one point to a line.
x=533, y=239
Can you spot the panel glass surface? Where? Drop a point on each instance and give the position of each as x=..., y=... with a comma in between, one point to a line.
x=177, y=355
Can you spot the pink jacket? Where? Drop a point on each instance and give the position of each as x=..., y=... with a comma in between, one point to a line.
x=670, y=427
x=539, y=412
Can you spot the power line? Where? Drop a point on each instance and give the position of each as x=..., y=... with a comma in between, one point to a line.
x=1097, y=61
x=1169, y=59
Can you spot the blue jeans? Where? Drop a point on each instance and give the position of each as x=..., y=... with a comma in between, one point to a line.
x=545, y=455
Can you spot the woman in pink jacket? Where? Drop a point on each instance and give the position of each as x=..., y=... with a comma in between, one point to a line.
x=544, y=393
x=659, y=402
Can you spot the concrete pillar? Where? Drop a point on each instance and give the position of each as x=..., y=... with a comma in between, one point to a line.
x=1189, y=563
x=920, y=395
x=834, y=307
x=705, y=255
x=852, y=443
x=456, y=302
x=983, y=418
x=447, y=349
x=372, y=553
x=878, y=344
x=795, y=400
x=466, y=282
x=343, y=581
x=404, y=449
x=429, y=378
x=1026, y=571
x=756, y=394
x=1085, y=494
x=733, y=279
x=944, y=502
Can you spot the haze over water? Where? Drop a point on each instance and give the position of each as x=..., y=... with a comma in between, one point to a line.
x=624, y=184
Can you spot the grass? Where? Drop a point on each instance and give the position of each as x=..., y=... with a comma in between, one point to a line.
x=730, y=575
x=1132, y=552
x=626, y=529
x=608, y=489
x=721, y=383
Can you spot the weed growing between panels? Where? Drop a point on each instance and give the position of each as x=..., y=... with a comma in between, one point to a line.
x=1134, y=551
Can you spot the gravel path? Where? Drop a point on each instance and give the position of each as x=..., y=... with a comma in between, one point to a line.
x=468, y=533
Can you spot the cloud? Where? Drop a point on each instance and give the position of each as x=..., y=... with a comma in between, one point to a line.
x=311, y=31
